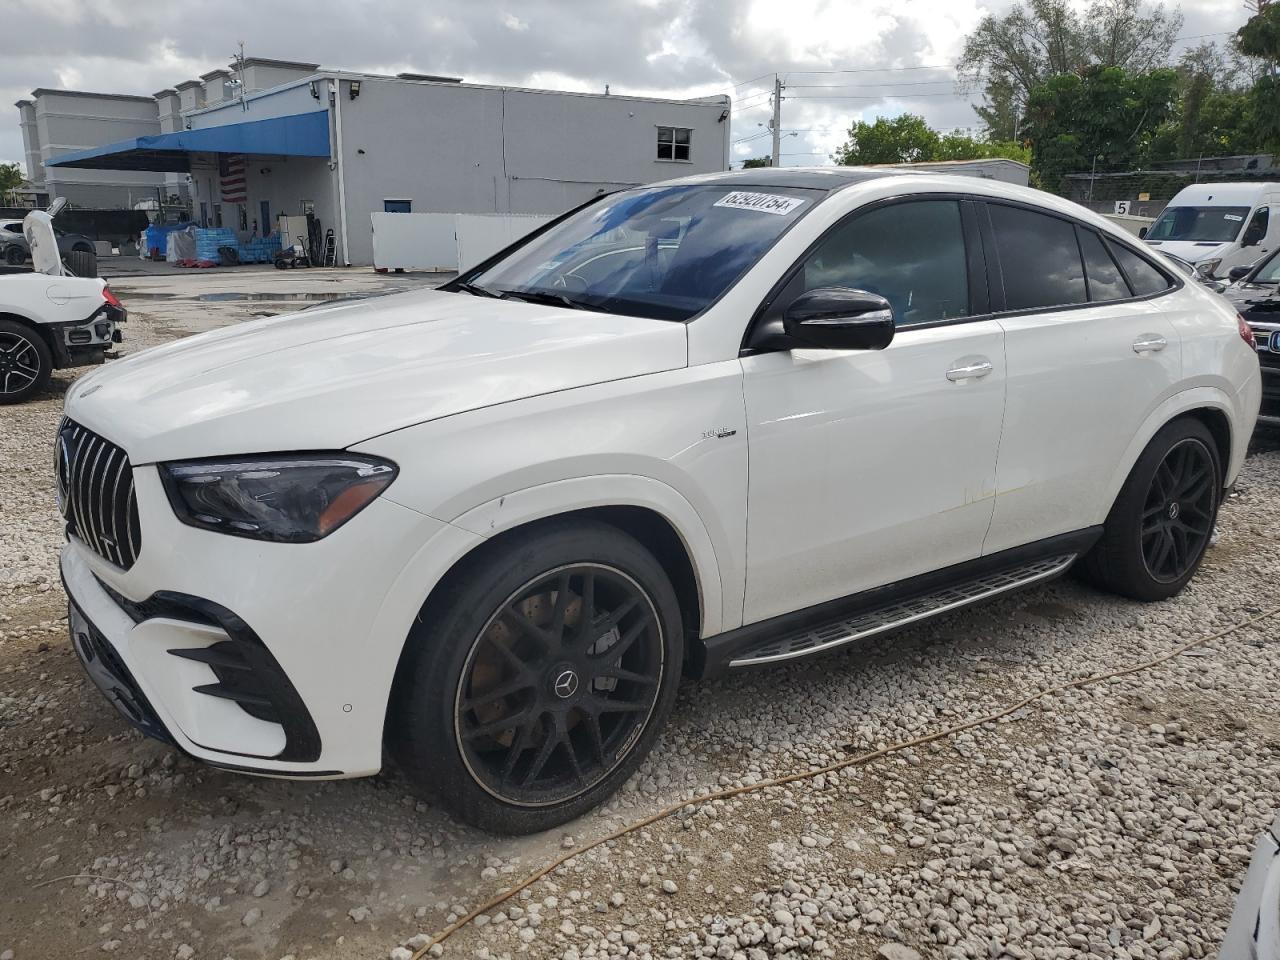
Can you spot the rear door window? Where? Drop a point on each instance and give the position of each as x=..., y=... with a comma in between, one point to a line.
x=1143, y=277
x=1039, y=259
x=1105, y=280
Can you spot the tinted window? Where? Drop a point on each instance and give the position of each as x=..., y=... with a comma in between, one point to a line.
x=1038, y=257
x=1105, y=281
x=912, y=254
x=1143, y=277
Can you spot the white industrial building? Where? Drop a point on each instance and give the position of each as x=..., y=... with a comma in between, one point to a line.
x=274, y=137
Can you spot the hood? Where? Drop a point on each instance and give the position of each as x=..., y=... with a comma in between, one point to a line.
x=327, y=378
x=37, y=227
x=1251, y=298
x=1192, y=251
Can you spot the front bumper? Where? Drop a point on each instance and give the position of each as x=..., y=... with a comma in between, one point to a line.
x=1269, y=412
x=317, y=629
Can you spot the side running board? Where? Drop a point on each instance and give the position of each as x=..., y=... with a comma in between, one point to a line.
x=900, y=613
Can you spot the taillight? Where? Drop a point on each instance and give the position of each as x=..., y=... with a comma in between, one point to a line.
x=1245, y=333
x=111, y=298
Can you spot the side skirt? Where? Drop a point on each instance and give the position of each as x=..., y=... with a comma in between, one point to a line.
x=835, y=623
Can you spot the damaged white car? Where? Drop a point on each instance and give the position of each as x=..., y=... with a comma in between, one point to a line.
x=49, y=318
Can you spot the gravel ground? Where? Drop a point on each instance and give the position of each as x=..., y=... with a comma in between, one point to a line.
x=1112, y=821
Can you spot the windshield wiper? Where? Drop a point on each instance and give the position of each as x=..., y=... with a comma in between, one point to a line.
x=476, y=290
x=542, y=296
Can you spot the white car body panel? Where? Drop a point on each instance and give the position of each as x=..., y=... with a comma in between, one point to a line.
x=646, y=441
x=42, y=299
x=869, y=466
x=328, y=378
x=1067, y=424
x=786, y=483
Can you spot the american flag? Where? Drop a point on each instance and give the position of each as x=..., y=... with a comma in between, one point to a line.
x=231, y=177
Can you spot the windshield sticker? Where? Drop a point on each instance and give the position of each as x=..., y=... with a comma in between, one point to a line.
x=1231, y=216
x=761, y=202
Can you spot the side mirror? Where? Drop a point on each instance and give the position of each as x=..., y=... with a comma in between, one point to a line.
x=1238, y=273
x=1142, y=233
x=839, y=318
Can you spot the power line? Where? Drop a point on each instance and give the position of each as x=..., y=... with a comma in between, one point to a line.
x=866, y=86
x=887, y=96
x=940, y=66
x=752, y=80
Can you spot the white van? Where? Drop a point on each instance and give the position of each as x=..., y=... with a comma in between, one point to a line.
x=1217, y=226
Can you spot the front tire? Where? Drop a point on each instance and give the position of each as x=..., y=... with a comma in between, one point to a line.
x=1160, y=525
x=539, y=676
x=15, y=256
x=25, y=362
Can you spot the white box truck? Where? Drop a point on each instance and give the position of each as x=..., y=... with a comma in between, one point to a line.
x=1217, y=226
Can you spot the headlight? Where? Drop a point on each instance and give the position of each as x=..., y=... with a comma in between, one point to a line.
x=287, y=498
x=1207, y=268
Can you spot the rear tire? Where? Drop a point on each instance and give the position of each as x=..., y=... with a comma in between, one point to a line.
x=1160, y=524
x=83, y=263
x=15, y=256
x=526, y=696
x=25, y=362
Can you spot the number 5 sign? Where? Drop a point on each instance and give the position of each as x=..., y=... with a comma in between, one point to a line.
x=1122, y=208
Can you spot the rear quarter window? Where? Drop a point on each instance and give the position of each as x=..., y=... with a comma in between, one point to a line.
x=1143, y=277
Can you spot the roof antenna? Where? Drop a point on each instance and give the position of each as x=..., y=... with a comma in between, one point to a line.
x=606, y=89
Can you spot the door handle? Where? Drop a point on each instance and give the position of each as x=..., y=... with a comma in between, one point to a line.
x=971, y=370
x=1152, y=342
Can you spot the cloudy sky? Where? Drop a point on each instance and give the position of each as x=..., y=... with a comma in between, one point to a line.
x=663, y=47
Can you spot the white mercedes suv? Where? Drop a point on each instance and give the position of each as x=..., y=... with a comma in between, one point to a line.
x=702, y=425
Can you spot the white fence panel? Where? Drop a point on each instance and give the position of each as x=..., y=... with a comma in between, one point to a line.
x=444, y=241
x=414, y=241
x=481, y=235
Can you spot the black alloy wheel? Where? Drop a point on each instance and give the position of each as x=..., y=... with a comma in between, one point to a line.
x=560, y=683
x=25, y=362
x=1160, y=524
x=1178, y=517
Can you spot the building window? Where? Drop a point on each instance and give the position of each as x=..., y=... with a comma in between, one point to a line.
x=673, y=143
x=397, y=206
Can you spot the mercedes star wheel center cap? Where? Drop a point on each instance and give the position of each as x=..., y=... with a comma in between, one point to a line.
x=566, y=684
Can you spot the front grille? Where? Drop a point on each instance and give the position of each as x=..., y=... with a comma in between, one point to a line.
x=96, y=494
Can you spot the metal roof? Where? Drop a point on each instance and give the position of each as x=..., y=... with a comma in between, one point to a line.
x=298, y=135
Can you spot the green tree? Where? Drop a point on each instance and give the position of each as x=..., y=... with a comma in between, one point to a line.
x=10, y=178
x=908, y=139
x=954, y=146
x=1260, y=38
x=1214, y=113
x=1103, y=119
x=903, y=139
x=752, y=163
x=1011, y=55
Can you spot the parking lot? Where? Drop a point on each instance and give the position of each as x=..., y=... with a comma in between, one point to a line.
x=1112, y=821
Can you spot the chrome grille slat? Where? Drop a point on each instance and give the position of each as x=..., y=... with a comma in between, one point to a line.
x=99, y=499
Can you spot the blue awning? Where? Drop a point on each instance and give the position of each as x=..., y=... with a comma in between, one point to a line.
x=298, y=135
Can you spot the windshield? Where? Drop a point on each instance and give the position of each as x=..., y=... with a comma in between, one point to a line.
x=660, y=252
x=1216, y=224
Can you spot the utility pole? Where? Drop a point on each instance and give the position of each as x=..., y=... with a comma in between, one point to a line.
x=775, y=123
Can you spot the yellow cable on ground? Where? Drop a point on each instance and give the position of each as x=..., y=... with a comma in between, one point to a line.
x=857, y=761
